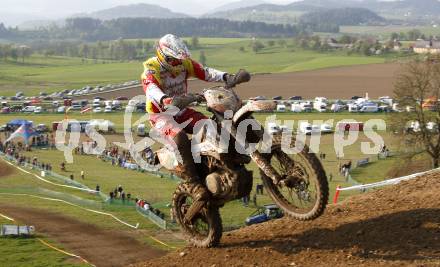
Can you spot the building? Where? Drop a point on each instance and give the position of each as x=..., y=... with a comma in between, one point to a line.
x=425, y=47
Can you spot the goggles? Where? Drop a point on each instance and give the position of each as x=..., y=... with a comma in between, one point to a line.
x=173, y=61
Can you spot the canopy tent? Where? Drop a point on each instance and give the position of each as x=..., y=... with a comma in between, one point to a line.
x=18, y=123
x=25, y=131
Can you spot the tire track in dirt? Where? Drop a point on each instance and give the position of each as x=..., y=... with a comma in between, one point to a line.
x=98, y=246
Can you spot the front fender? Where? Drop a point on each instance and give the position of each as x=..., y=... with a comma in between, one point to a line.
x=252, y=106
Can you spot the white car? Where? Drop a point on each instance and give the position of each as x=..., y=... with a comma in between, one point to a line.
x=29, y=109
x=38, y=110
x=61, y=109
x=336, y=107
x=353, y=107
x=281, y=108
x=97, y=110
x=326, y=128
x=108, y=109
x=369, y=107
x=320, y=106
x=308, y=128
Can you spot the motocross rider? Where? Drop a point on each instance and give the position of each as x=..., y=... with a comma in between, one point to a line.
x=165, y=83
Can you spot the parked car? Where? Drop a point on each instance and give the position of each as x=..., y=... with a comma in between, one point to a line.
x=29, y=109
x=296, y=98
x=108, y=109
x=308, y=128
x=42, y=128
x=265, y=213
x=326, y=128
x=38, y=110
x=16, y=108
x=281, y=108
x=277, y=97
x=5, y=110
x=61, y=109
x=76, y=106
x=97, y=110
x=141, y=130
x=369, y=106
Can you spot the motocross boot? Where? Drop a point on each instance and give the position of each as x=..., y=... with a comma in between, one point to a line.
x=188, y=170
x=190, y=175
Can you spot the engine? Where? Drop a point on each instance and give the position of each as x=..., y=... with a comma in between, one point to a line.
x=230, y=185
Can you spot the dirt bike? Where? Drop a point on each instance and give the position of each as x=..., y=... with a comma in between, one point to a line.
x=297, y=183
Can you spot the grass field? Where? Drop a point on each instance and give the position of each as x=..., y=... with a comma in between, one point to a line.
x=17, y=252
x=156, y=190
x=159, y=190
x=48, y=74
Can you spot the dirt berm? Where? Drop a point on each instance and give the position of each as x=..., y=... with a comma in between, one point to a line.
x=393, y=226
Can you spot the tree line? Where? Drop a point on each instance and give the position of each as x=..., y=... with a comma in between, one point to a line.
x=14, y=52
x=90, y=29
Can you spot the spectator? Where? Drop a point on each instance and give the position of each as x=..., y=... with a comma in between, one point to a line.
x=245, y=200
x=259, y=189
x=63, y=166
x=71, y=177
x=111, y=194
x=254, y=199
x=98, y=188
x=82, y=174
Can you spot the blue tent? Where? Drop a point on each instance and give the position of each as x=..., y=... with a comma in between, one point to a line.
x=25, y=132
x=18, y=123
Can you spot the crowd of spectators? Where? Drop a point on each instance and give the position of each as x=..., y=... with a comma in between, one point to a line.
x=123, y=158
x=43, y=140
x=15, y=150
x=119, y=193
x=143, y=204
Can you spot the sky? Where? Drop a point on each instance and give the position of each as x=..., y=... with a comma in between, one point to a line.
x=54, y=9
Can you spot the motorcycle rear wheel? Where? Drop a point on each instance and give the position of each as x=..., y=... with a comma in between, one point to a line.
x=205, y=230
x=306, y=182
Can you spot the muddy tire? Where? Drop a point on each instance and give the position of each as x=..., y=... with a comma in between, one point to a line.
x=306, y=171
x=205, y=230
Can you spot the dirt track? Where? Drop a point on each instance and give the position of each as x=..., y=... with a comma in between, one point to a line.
x=339, y=82
x=100, y=247
x=394, y=226
x=5, y=169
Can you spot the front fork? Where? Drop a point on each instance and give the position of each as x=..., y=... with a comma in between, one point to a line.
x=265, y=166
x=259, y=159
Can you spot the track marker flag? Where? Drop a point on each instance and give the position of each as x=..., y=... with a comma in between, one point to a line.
x=86, y=110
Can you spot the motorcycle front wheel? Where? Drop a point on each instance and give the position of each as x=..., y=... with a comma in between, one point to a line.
x=303, y=194
x=205, y=229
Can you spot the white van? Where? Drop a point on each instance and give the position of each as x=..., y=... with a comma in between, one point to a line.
x=296, y=107
x=281, y=108
x=320, y=106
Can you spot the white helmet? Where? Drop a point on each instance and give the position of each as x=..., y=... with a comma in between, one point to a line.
x=171, y=51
